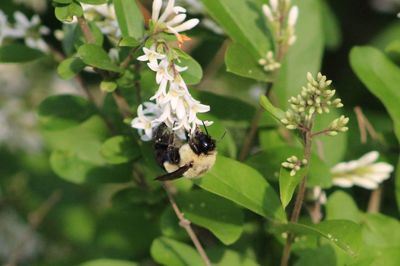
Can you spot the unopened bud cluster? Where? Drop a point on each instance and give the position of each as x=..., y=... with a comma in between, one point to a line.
x=282, y=18
x=294, y=164
x=315, y=97
x=338, y=125
x=269, y=63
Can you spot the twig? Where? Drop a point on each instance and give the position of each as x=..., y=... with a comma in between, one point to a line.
x=87, y=33
x=315, y=212
x=138, y=87
x=251, y=134
x=322, y=132
x=248, y=140
x=365, y=126
x=361, y=124
x=375, y=199
x=299, y=199
x=185, y=223
x=215, y=64
x=35, y=219
x=122, y=104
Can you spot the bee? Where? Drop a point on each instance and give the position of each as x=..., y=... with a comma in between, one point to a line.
x=190, y=159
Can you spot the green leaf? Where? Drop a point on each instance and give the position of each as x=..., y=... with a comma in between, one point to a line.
x=170, y=227
x=129, y=18
x=341, y=206
x=69, y=67
x=243, y=185
x=322, y=255
x=108, y=262
x=397, y=183
x=69, y=166
x=380, y=231
x=64, y=111
x=18, y=53
x=331, y=149
x=170, y=252
x=62, y=1
x=306, y=53
x=84, y=140
x=224, y=257
x=228, y=108
x=95, y=56
x=381, y=77
x=342, y=233
x=275, y=112
x=129, y=42
x=77, y=224
x=241, y=62
x=222, y=217
x=244, y=22
x=108, y=86
x=288, y=184
x=66, y=13
x=93, y=2
x=268, y=162
x=194, y=73
x=120, y=149
x=393, y=50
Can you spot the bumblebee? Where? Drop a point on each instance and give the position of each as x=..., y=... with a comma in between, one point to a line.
x=190, y=159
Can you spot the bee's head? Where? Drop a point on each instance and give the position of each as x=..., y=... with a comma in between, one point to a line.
x=202, y=143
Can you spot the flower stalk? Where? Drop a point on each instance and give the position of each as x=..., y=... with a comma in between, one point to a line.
x=315, y=98
x=281, y=19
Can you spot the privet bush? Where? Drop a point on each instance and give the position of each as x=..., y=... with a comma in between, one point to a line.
x=301, y=161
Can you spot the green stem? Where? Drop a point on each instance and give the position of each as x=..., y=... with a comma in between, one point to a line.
x=299, y=199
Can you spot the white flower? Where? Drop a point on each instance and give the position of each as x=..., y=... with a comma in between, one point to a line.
x=4, y=27
x=196, y=107
x=31, y=30
x=173, y=105
x=146, y=120
x=293, y=15
x=152, y=56
x=268, y=13
x=172, y=20
x=282, y=20
x=162, y=70
x=363, y=172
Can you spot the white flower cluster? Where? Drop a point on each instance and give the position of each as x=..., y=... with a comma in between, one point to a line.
x=283, y=8
x=282, y=18
x=38, y=6
x=23, y=28
x=173, y=104
x=364, y=172
x=172, y=20
x=105, y=18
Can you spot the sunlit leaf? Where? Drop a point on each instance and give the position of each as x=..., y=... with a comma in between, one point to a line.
x=243, y=185
x=222, y=217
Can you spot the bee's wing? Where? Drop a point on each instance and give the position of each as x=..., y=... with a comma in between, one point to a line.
x=174, y=175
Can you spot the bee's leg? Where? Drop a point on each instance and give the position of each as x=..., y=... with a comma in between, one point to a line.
x=173, y=155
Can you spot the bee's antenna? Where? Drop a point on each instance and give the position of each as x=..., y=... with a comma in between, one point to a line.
x=205, y=128
x=223, y=135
